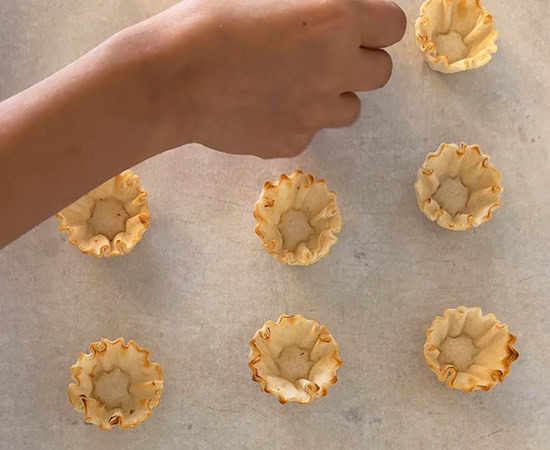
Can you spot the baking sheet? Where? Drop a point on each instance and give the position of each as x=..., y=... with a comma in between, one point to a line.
x=199, y=284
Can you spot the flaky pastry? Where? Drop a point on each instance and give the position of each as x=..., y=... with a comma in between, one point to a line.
x=294, y=359
x=468, y=350
x=115, y=384
x=458, y=187
x=297, y=217
x=455, y=35
x=110, y=220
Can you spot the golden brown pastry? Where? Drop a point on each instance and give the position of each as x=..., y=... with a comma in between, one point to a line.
x=297, y=218
x=294, y=359
x=455, y=35
x=115, y=384
x=110, y=220
x=468, y=350
x=457, y=187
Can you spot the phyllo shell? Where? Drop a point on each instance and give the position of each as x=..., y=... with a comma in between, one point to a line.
x=297, y=217
x=455, y=35
x=110, y=220
x=458, y=187
x=468, y=350
x=294, y=359
x=115, y=384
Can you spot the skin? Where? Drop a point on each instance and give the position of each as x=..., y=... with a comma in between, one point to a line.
x=243, y=77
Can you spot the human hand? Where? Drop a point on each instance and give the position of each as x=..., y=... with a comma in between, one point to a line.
x=262, y=77
x=243, y=76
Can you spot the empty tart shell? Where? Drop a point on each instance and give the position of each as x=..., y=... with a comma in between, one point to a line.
x=294, y=359
x=468, y=350
x=297, y=217
x=455, y=35
x=115, y=384
x=457, y=187
x=110, y=220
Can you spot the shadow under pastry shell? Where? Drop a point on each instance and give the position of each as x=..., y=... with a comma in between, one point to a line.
x=458, y=187
x=297, y=217
x=110, y=220
x=468, y=350
x=115, y=384
x=455, y=35
x=294, y=359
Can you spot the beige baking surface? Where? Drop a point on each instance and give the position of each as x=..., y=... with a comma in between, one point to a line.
x=198, y=285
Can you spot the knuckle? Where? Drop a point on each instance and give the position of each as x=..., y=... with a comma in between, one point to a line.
x=336, y=12
x=355, y=109
x=402, y=24
x=334, y=6
x=290, y=144
x=301, y=142
x=351, y=112
x=386, y=68
x=307, y=118
x=398, y=25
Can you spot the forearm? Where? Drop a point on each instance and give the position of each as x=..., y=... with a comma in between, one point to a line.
x=66, y=135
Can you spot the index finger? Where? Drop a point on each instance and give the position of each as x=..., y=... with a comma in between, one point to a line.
x=382, y=23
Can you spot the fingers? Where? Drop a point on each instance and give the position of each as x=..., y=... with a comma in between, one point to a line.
x=335, y=112
x=331, y=112
x=342, y=112
x=286, y=145
x=382, y=23
x=368, y=70
x=300, y=143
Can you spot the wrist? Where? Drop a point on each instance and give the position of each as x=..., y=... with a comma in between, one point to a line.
x=166, y=94
x=124, y=72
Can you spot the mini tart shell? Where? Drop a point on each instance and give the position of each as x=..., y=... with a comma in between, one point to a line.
x=298, y=192
x=267, y=364
x=124, y=189
x=467, y=163
x=466, y=18
x=492, y=340
x=145, y=387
